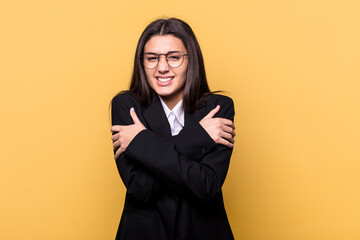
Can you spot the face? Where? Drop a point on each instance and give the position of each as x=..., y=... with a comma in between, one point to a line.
x=166, y=81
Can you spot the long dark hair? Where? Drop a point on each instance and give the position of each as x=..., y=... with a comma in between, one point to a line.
x=196, y=87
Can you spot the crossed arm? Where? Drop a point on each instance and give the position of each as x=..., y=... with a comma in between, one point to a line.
x=151, y=163
x=221, y=130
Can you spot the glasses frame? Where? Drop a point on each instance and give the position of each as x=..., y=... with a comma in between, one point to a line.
x=166, y=58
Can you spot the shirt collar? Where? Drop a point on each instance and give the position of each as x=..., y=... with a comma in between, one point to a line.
x=178, y=110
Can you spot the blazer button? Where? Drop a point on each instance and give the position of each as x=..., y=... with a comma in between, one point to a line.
x=203, y=150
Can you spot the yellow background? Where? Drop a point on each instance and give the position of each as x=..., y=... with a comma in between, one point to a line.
x=292, y=68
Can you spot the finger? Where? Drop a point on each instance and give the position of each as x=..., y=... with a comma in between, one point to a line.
x=228, y=137
x=116, y=144
x=119, y=152
x=228, y=122
x=213, y=112
x=116, y=128
x=226, y=143
x=229, y=130
x=115, y=137
x=134, y=116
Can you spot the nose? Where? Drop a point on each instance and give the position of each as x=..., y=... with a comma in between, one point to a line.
x=163, y=65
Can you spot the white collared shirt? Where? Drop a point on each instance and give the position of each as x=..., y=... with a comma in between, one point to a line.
x=176, y=116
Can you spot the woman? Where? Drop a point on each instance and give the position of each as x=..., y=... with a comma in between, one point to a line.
x=172, y=140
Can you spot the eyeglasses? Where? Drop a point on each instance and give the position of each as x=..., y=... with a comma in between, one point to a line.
x=174, y=59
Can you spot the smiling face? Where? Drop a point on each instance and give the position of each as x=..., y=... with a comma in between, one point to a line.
x=166, y=81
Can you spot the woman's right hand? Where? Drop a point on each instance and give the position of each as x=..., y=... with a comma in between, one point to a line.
x=221, y=130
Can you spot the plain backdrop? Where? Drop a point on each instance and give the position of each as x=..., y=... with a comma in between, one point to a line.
x=292, y=68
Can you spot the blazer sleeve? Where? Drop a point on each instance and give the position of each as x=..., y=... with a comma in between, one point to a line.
x=139, y=183
x=201, y=179
x=193, y=142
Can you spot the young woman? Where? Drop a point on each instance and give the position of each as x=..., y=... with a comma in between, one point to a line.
x=172, y=139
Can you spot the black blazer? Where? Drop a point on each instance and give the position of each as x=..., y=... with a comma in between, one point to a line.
x=173, y=182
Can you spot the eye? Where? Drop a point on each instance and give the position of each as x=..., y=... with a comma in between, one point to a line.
x=174, y=57
x=151, y=57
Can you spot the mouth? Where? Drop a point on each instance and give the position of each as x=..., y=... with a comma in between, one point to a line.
x=164, y=79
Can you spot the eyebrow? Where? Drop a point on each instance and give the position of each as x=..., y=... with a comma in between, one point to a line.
x=162, y=53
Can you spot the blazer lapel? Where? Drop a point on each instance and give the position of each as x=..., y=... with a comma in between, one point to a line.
x=156, y=119
x=195, y=116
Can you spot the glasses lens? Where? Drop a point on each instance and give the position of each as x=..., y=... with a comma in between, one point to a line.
x=175, y=59
x=150, y=60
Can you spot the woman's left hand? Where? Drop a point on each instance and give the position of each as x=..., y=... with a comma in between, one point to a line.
x=125, y=133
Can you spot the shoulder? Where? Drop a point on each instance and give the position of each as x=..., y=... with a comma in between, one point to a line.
x=219, y=99
x=120, y=108
x=227, y=109
x=125, y=98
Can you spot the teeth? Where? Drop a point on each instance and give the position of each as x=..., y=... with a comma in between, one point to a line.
x=164, y=79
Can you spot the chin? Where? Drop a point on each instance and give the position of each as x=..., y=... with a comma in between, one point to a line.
x=164, y=93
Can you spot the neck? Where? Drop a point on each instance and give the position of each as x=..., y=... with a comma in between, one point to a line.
x=171, y=102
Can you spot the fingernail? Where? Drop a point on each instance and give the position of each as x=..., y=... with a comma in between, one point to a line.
x=233, y=145
x=218, y=106
x=132, y=109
